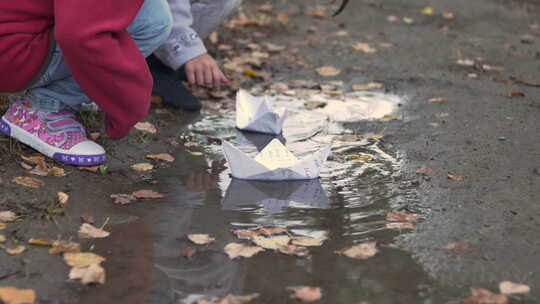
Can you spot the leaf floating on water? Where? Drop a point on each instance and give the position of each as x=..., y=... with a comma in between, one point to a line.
x=308, y=241
x=400, y=226
x=28, y=182
x=397, y=216
x=123, y=199
x=367, y=86
x=312, y=105
x=162, y=156
x=141, y=167
x=88, y=275
x=244, y=234
x=328, y=71
x=16, y=250
x=61, y=247
x=294, y=250
x=201, y=239
x=484, y=296
x=458, y=247
x=362, y=251
x=235, y=250
x=88, y=231
x=306, y=294
x=364, y=47
x=508, y=288
x=455, y=177
x=146, y=127
x=40, y=242
x=7, y=216
x=147, y=194
x=272, y=230
x=82, y=259
x=12, y=295
x=230, y=299
x=273, y=242
x=62, y=199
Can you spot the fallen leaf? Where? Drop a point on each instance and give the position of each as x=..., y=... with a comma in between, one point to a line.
x=328, y=71
x=306, y=293
x=201, y=239
x=82, y=259
x=363, y=158
x=273, y=242
x=34, y=159
x=141, y=167
x=391, y=117
x=487, y=67
x=61, y=247
x=40, y=242
x=508, y=288
x=235, y=250
x=437, y=100
x=7, y=216
x=87, y=218
x=408, y=20
x=162, y=156
x=400, y=226
x=392, y=19
x=249, y=72
x=294, y=250
x=41, y=169
x=123, y=199
x=512, y=93
x=319, y=12
x=364, y=47
x=62, y=199
x=147, y=194
x=367, y=86
x=12, y=295
x=272, y=230
x=362, y=251
x=16, y=250
x=94, y=135
x=312, y=105
x=88, y=231
x=93, y=169
x=2, y=226
x=448, y=15
x=282, y=17
x=88, y=275
x=196, y=153
x=146, y=127
x=373, y=136
x=397, y=216
x=458, y=247
x=466, y=62
x=428, y=11
x=455, y=177
x=57, y=172
x=28, y=182
x=308, y=241
x=230, y=299
x=2, y=238
x=213, y=38
x=188, y=252
x=484, y=296
x=26, y=166
x=244, y=234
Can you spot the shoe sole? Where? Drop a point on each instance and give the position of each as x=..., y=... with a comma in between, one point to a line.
x=35, y=142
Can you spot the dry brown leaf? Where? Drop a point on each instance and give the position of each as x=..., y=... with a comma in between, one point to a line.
x=123, y=199
x=88, y=231
x=2, y=226
x=7, y=216
x=273, y=242
x=437, y=100
x=282, y=17
x=88, y=275
x=458, y=247
x=319, y=12
x=455, y=177
x=230, y=299
x=373, y=136
x=328, y=71
x=508, y=288
x=57, y=172
x=88, y=218
x=93, y=169
x=235, y=250
x=364, y=47
x=484, y=296
x=309, y=241
x=16, y=250
x=272, y=230
x=40, y=242
x=244, y=234
x=362, y=251
x=146, y=127
x=2, y=238
x=448, y=15
x=162, y=156
x=513, y=93
x=397, y=216
x=147, y=194
x=294, y=250
x=141, y=167
x=62, y=199
x=12, y=295
x=34, y=159
x=94, y=135
x=40, y=169
x=306, y=294
x=26, y=166
x=201, y=239
x=60, y=247
x=28, y=182
x=367, y=86
x=312, y=105
x=82, y=259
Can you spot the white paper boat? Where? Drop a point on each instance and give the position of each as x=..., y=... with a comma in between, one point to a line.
x=275, y=196
x=274, y=162
x=257, y=115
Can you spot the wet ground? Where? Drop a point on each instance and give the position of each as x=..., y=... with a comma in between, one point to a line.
x=478, y=132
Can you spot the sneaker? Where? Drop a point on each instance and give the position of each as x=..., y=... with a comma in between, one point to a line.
x=55, y=134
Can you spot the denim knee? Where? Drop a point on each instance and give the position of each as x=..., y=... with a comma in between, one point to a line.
x=152, y=26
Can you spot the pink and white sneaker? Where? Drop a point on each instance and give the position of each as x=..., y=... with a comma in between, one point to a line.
x=57, y=135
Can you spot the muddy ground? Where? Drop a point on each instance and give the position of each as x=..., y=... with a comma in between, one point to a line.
x=479, y=131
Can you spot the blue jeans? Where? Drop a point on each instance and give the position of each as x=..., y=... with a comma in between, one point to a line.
x=57, y=90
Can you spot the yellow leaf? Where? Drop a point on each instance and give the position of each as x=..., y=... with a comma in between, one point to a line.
x=162, y=156
x=40, y=242
x=271, y=242
x=201, y=239
x=427, y=11
x=28, y=182
x=82, y=259
x=282, y=17
x=249, y=72
x=364, y=47
x=235, y=250
x=88, y=275
x=308, y=241
x=60, y=247
x=362, y=251
x=88, y=231
x=16, y=250
x=408, y=20
x=141, y=167
x=11, y=295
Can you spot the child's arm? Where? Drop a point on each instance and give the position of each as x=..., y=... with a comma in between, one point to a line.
x=104, y=59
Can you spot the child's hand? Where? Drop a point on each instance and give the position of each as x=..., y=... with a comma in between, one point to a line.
x=204, y=71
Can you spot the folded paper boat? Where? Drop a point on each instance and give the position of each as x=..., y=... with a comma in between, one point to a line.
x=274, y=163
x=257, y=115
x=275, y=196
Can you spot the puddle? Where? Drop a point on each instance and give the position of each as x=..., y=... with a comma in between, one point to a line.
x=360, y=184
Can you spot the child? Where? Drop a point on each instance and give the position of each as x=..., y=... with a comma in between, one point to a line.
x=61, y=53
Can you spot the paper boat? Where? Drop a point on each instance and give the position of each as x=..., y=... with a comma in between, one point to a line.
x=257, y=115
x=257, y=140
x=275, y=196
x=274, y=162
